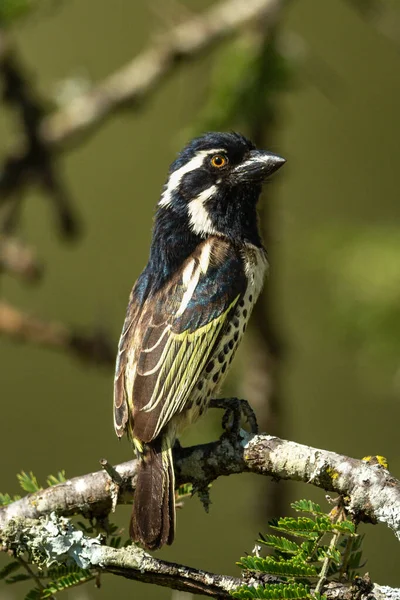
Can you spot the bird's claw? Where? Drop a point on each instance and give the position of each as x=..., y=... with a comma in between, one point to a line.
x=235, y=409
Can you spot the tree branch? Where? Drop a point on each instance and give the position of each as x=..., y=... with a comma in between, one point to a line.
x=55, y=540
x=371, y=493
x=94, y=346
x=18, y=259
x=138, y=79
x=32, y=160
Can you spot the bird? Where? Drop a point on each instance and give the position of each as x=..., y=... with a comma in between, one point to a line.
x=188, y=311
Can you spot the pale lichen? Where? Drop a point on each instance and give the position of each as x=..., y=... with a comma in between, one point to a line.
x=49, y=540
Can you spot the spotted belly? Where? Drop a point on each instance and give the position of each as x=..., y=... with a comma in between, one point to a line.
x=217, y=367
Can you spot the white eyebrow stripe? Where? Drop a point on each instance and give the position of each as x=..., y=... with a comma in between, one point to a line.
x=176, y=177
x=200, y=221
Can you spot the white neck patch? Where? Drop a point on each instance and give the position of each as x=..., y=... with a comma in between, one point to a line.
x=200, y=221
x=176, y=177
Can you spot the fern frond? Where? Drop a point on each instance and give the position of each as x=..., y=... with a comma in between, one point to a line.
x=284, y=568
x=115, y=542
x=7, y=499
x=345, y=527
x=9, y=568
x=274, y=591
x=18, y=577
x=61, y=570
x=28, y=482
x=307, y=506
x=35, y=594
x=56, y=479
x=296, y=562
x=303, y=526
x=70, y=579
x=280, y=544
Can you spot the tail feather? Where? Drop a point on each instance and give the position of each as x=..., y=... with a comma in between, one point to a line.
x=153, y=517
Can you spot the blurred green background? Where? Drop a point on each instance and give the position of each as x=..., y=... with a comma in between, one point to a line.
x=334, y=248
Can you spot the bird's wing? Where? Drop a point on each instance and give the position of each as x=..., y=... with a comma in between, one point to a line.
x=168, y=345
x=121, y=409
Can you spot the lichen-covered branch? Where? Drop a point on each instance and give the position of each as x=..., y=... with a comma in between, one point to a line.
x=372, y=493
x=91, y=346
x=53, y=539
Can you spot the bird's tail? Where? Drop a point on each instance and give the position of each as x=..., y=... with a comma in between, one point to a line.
x=153, y=516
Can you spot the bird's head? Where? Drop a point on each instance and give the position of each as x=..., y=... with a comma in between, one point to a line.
x=215, y=183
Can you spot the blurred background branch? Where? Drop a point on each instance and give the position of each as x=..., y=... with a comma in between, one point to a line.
x=132, y=84
x=92, y=347
x=32, y=162
x=19, y=259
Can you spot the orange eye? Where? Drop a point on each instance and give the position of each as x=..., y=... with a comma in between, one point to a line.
x=219, y=161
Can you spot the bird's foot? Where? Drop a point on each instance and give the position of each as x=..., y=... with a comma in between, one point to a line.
x=235, y=409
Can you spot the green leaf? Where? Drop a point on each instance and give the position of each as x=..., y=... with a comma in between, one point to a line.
x=9, y=568
x=303, y=526
x=113, y=529
x=86, y=528
x=286, y=568
x=6, y=498
x=70, y=579
x=292, y=560
x=18, y=577
x=280, y=544
x=323, y=523
x=273, y=591
x=28, y=482
x=354, y=562
x=63, y=577
x=357, y=542
x=308, y=548
x=345, y=527
x=335, y=555
x=62, y=570
x=184, y=490
x=35, y=594
x=307, y=506
x=56, y=479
